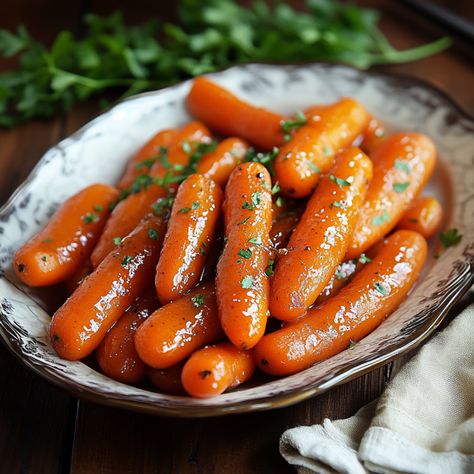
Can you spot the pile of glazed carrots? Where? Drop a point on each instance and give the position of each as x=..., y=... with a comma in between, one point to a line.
x=174, y=272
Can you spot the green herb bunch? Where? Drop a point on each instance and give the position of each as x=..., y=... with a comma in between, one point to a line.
x=210, y=35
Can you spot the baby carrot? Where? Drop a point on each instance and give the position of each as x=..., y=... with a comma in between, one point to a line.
x=145, y=190
x=116, y=354
x=228, y=115
x=403, y=163
x=146, y=156
x=177, y=329
x=424, y=216
x=285, y=219
x=74, y=281
x=358, y=309
x=80, y=324
x=167, y=380
x=241, y=282
x=214, y=369
x=373, y=136
x=312, y=149
x=218, y=164
x=189, y=236
x=321, y=237
x=60, y=249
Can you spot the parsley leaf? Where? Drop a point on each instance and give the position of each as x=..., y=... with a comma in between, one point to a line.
x=126, y=260
x=364, y=259
x=381, y=289
x=247, y=282
x=90, y=217
x=269, y=270
x=402, y=166
x=339, y=181
x=197, y=300
x=244, y=253
x=290, y=125
x=117, y=240
x=381, y=219
x=400, y=187
x=450, y=238
x=153, y=234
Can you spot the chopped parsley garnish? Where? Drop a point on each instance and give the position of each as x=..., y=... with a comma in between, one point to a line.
x=352, y=344
x=314, y=167
x=44, y=258
x=98, y=208
x=256, y=198
x=337, y=204
x=339, y=181
x=248, y=205
x=400, y=187
x=48, y=240
x=326, y=150
x=339, y=276
x=141, y=182
x=145, y=164
x=186, y=147
x=364, y=259
x=243, y=221
x=402, y=166
x=247, y=282
x=381, y=289
x=244, y=253
x=195, y=205
x=450, y=238
x=265, y=159
x=269, y=270
x=153, y=234
x=276, y=188
x=381, y=219
x=162, y=206
x=90, y=217
x=299, y=120
x=198, y=300
x=184, y=210
x=126, y=260
x=255, y=240
x=279, y=201
x=117, y=240
x=202, y=248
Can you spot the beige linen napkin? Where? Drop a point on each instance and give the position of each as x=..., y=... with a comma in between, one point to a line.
x=423, y=423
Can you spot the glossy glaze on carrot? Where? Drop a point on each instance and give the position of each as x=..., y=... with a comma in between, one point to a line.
x=144, y=158
x=241, y=282
x=321, y=237
x=74, y=281
x=190, y=233
x=285, y=218
x=80, y=324
x=374, y=293
x=128, y=213
x=214, y=369
x=219, y=164
x=116, y=354
x=424, y=216
x=312, y=149
x=226, y=114
x=176, y=330
x=373, y=136
x=60, y=249
x=403, y=163
x=167, y=380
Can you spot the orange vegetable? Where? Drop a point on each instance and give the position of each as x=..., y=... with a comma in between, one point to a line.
x=167, y=380
x=424, y=216
x=143, y=159
x=116, y=354
x=403, y=163
x=218, y=164
x=228, y=115
x=60, y=249
x=214, y=369
x=73, y=282
x=322, y=236
x=312, y=149
x=128, y=213
x=373, y=136
x=358, y=309
x=285, y=219
x=190, y=233
x=241, y=282
x=80, y=324
x=176, y=330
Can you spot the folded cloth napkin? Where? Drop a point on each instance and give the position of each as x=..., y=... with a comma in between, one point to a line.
x=423, y=422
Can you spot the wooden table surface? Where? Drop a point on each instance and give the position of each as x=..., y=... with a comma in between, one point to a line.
x=43, y=429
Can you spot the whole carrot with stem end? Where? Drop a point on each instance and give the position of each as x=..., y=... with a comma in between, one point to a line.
x=149, y=187
x=116, y=354
x=214, y=369
x=176, y=330
x=241, y=282
x=226, y=114
x=424, y=216
x=312, y=149
x=80, y=324
x=374, y=293
x=219, y=164
x=322, y=236
x=190, y=233
x=60, y=249
x=144, y=159
x=403, y=163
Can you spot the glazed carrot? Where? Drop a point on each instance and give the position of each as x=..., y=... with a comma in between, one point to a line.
x=59, y=250
x=220, y=163
x=373, y=136
x=214, y=369
x=322, y=236
x=116, y=354
x=144, y=158
x=80, y=324
x=424, y=216
x=128, y=213
x=312, y=149
x=228, y=115
x=358, y=309
x=167, y=380
x=241, y=282
x=177, y=329
x=74, y=281
x=403, y=163
x=285, y=219
x=189, y=236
